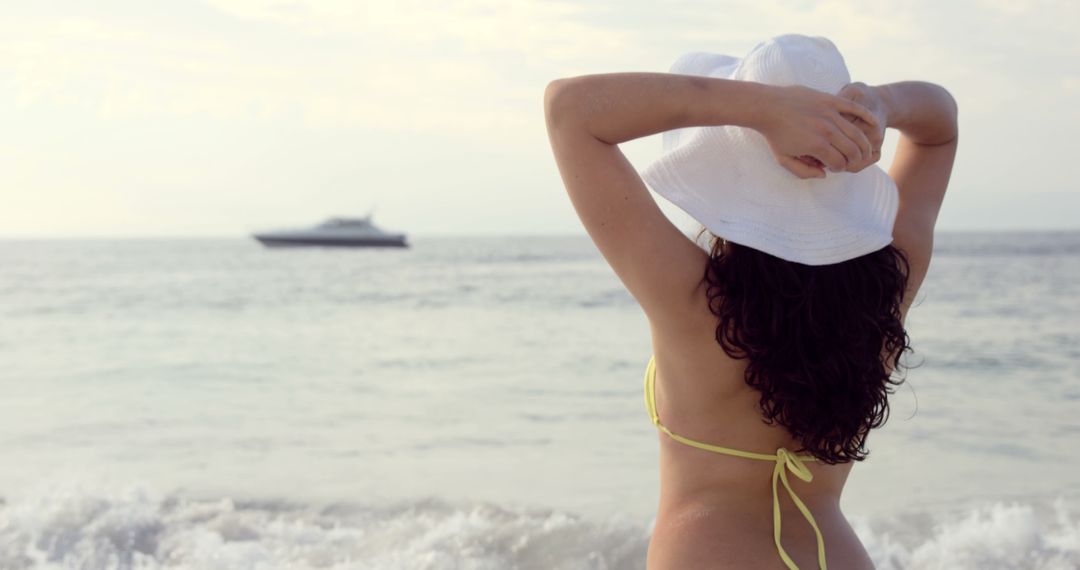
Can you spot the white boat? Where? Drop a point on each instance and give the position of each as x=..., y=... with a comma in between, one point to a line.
x=338, y=232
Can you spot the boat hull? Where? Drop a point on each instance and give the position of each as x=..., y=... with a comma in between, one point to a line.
x=328, y=241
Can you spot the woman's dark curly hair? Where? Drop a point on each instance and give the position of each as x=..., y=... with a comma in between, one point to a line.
x=817, y=338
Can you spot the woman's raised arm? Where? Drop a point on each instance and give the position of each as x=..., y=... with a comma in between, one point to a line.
x=926, y=115
x=796, y=120
x=588, y=116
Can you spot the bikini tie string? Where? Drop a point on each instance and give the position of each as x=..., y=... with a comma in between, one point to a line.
x=787, y=461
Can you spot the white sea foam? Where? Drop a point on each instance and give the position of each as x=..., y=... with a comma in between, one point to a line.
x=999, y=535
x=136, y=527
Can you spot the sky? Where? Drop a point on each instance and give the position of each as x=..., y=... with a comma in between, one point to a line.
x=221, y=117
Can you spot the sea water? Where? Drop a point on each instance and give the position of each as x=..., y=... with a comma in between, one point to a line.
x=475, y=403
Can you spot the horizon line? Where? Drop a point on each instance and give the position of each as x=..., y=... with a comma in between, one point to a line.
x=432, y=235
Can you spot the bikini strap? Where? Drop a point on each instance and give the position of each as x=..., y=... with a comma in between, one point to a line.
x=787, y=461
x=783, y=459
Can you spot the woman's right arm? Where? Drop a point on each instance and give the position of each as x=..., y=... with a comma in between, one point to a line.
x=926, y=116
x=923, y=112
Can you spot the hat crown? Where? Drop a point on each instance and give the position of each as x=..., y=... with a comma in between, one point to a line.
x=796, y=59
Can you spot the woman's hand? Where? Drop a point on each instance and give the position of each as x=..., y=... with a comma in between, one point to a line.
x=809, y=129
x=868, y=97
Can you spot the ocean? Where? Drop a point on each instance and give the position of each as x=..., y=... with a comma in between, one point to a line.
x=475, y=403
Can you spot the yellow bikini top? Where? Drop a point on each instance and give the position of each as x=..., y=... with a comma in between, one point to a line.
x=784, y=460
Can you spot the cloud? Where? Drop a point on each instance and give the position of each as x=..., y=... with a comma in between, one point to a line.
x=465, y=66
x=347, y=90
x=472, y=66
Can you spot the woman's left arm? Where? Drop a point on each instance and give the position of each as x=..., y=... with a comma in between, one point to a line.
x=588, y=116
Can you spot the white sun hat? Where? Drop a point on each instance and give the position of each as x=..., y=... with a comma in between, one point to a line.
x=727, y=178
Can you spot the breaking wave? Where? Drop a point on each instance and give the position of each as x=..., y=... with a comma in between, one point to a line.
x=76, y=526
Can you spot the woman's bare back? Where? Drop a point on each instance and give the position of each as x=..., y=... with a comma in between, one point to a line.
x=715, y=510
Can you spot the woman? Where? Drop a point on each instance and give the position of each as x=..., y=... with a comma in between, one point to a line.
x=767, y=373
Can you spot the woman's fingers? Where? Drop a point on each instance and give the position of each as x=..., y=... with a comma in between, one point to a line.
x=852, y=108
x=833, y=157
x=800, y=168
x=873, y=134
x=828, y=131
x=860, y=139
x=842, y=142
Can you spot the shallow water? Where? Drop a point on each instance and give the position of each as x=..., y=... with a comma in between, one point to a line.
x=475, y=403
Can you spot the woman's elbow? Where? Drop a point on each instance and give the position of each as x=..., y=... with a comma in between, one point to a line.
x=555, y=96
